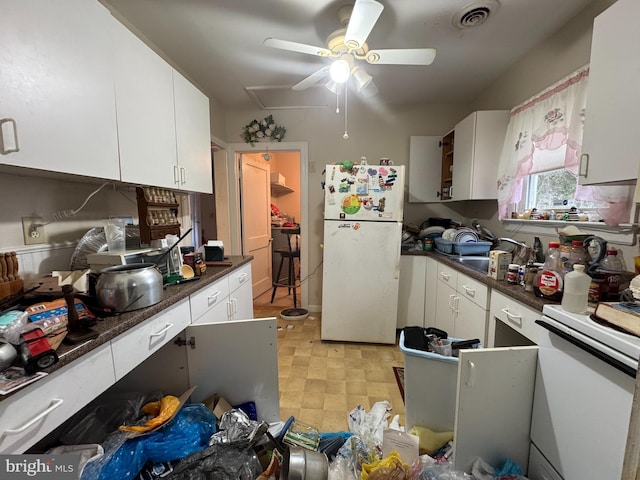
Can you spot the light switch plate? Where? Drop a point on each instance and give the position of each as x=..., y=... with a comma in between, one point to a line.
x=33, y=236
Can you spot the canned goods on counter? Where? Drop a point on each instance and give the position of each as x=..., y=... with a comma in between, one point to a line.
x=513, y=273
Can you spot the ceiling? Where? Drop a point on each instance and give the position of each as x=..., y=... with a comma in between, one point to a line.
x=219, y=45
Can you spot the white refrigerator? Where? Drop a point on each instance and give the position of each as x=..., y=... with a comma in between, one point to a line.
x=361, y=259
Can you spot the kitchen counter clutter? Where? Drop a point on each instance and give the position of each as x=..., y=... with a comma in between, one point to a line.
x=187, y=339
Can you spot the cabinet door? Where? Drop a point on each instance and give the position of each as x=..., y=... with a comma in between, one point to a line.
x=508, y=316
x=470, y=320
x=611, y=127
x=57, y=85
x=430, y=292
x=411, y=291
x=465, y=132
x=193, y=137
x=238, y=360
x=242, y=302
x=425, y=158
x=145, y=112
x=494, y=401
x=445, y=308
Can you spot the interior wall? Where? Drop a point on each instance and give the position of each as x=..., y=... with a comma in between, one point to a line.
x=288, y=165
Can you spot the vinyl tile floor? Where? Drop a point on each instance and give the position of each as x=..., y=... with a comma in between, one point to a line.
x=321, y=382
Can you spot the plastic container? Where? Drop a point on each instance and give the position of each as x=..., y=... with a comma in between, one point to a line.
x=576, y=290
x=465, y=248
x=430, y=388
x=577, y=255
x=549, y=282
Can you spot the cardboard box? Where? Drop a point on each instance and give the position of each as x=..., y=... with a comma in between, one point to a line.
x=498, y=264
x=217, y=404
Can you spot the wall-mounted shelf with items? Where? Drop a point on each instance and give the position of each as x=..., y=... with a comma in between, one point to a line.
x=278, y=184
x=158, y=213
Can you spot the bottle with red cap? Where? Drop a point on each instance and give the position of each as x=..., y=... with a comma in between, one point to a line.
x=611, y=267
x=550, y=278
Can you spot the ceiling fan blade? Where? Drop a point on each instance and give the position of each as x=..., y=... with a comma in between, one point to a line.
x=297, y=47
x=312, y=79
x=402, y=56
x=364, y=16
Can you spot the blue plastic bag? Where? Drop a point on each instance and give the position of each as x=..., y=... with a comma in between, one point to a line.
x=188, y=433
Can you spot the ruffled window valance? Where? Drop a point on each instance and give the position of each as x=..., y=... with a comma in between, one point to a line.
x=552, y=123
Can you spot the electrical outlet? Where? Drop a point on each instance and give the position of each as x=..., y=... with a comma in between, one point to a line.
x=33, y=235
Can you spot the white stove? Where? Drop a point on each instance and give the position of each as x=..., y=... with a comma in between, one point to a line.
x=596, y=337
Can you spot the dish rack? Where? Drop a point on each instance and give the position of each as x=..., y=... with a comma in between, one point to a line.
x=462, y=248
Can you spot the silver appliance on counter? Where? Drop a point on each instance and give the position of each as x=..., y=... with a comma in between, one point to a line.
x=583, y=397
x=98, y=261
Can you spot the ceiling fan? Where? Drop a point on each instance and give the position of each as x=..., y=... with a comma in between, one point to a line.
x=347, y=45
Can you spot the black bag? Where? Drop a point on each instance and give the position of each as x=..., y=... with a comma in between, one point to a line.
x=417, y=338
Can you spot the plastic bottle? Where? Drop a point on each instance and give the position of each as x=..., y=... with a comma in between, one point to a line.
x=576, y=290
x=577, y=254
x=550, y=278
x=611, y=266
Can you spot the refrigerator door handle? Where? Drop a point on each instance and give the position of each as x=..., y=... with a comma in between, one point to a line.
x=396, y=270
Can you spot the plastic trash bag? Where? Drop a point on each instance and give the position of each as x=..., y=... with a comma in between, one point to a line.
x=237, y=428
x=188, y=432
x=427, y=468
x=370, y=426
x=509, y=470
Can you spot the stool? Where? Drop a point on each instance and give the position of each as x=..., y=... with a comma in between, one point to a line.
x=290, y=254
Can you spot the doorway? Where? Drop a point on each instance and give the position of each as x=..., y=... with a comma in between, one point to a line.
x=290, y=161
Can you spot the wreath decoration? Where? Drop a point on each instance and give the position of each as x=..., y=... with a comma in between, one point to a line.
x=265, y=129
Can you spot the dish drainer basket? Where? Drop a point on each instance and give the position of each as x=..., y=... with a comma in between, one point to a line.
x=465, y=248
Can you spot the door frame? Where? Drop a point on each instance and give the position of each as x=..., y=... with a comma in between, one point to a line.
x=233, y=169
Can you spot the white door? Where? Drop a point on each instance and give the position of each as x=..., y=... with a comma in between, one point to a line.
x=256, y=220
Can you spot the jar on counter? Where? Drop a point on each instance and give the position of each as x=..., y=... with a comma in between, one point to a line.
x=428, y=245
x=513, y=273
x=596, y=287
x=530, y=272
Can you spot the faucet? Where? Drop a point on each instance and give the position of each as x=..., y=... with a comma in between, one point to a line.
x=522, y=253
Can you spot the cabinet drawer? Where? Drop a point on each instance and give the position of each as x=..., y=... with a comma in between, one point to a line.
x=473, y=290
x=239, y=277
x=38, y=409
x=208, y=298
x=516, y=315
x=448, y=275
x=137, y=343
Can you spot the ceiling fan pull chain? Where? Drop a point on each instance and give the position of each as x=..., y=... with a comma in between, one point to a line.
x=337, y=101
x=346, y=134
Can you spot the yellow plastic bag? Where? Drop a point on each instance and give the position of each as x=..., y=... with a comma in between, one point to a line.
x=430, y=441
x=389, y=468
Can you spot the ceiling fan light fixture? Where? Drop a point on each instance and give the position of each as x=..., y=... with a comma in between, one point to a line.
x=340, y=70
x=362, y=79
x=333, y=87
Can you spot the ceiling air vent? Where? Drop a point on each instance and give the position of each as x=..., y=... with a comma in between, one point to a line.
x=474, y=14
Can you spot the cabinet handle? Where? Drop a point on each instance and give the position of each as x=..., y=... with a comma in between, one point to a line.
x=176, y=175
x=213, y=298
x=515, y=319
x=234, y=306
x=456, y=299
x=445, y=276
x=229, y=310
x=583, y=172
x=469, y=291
x=163, y=331
x=451, y=297
x=451, y=191
x=8, y=136
x=242, y=277
x=183, y=175
x=471, y=379
x=56, y=403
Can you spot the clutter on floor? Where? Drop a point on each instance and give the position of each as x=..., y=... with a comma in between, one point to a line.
x=146, y=437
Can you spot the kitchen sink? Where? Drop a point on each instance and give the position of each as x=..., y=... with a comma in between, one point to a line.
x=479, y=264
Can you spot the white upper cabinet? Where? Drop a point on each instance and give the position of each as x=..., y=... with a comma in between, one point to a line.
x=56, y=79
x=425, y=154
x=193, y=137
x=478, y=143
x=609, y=152
x=145, y=112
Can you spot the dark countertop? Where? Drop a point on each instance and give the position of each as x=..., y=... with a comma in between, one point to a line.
x=514, y=291
x=112, y=326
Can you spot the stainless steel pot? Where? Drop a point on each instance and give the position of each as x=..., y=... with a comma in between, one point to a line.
x=129, y=287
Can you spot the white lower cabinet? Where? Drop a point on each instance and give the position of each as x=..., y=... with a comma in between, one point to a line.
x=230, y=298
x=511, y=322
x=32, y=413
x=461, y=304
x=236, y=359
x=484, y=397
x=137, y=343
x=417, y=291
